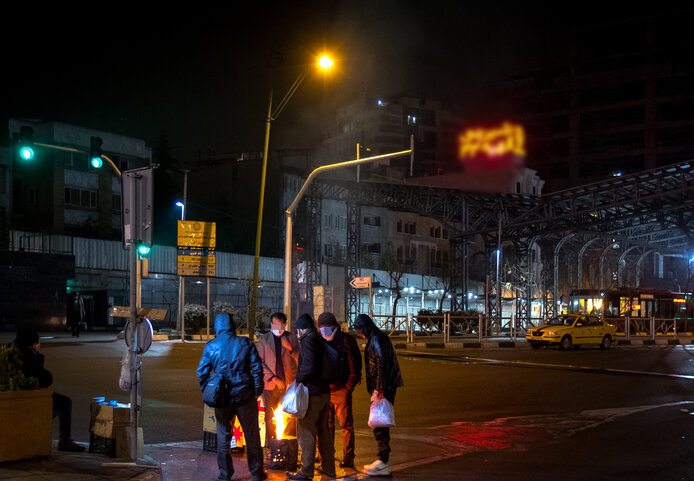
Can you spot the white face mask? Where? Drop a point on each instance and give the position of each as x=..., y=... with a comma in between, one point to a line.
x=328, y=332
x=277, y=332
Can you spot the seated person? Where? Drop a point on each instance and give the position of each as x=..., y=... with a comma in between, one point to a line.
x=27, y=344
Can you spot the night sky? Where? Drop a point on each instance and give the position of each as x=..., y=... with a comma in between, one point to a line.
x=202, y=77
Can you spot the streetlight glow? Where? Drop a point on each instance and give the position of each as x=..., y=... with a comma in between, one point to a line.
x=325, y=62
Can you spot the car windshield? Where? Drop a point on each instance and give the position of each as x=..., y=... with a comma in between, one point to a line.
x=562, y=321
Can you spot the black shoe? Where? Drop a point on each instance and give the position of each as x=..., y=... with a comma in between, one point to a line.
x=262, y=477
x=70, y=446
x=298, y=476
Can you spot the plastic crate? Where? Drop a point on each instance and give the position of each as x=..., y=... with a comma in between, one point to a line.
x=209, y=442
x=100, y=445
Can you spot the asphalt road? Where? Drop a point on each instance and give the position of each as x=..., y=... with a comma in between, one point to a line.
x=472, y=414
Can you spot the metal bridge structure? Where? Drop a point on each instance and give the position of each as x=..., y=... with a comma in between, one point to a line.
x=625, y=219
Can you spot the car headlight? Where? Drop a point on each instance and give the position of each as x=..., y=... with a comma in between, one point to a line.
x=551, y=333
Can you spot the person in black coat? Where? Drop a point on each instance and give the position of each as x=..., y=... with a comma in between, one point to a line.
x=238, y=359
x=383, y=379
x=341, y=391
x=315, y=423
x=27, y=343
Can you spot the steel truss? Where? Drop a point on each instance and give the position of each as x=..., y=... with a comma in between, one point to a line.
x=652, y=209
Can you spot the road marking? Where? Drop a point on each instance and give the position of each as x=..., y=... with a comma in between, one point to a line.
x=571, y=367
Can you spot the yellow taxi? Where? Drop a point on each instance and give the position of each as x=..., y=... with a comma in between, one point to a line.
x=573, y=330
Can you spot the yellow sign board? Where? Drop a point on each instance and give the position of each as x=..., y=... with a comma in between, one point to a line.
x=197, y=234
x=196, y=262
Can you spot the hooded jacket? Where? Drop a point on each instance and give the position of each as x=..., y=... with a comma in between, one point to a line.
x=380, y=361
x=234, y=356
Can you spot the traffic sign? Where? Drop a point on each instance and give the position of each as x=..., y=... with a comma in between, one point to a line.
x=360, y=282
x=142, y=312
x=197, y=262
x=197, y=234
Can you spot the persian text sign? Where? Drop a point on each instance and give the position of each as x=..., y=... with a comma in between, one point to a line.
x=509, y=139
x=197, y=262
x=197, y=234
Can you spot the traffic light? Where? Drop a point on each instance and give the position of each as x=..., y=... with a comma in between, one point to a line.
x=143, y=249
x=26, y=143
x=95, y=152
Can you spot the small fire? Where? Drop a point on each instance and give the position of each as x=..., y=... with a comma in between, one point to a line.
x=280, y=419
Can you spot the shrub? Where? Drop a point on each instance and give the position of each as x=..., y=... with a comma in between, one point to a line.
x=11, y=376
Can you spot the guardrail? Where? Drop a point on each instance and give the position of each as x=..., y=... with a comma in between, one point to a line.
x=649, y=326
x=445, y=327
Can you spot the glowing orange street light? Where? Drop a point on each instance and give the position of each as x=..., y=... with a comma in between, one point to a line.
x=324, y=63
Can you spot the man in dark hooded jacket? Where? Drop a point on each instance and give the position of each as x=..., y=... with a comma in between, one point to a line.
x=238, y=359
x=315, y=423
x=383, y=379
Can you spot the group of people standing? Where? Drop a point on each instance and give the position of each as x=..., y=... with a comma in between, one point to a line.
x=283, y=357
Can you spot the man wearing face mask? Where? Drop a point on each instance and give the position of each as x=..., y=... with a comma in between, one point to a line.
x=279, y=351
x=314, y=425
x=383, y=379
x=341, y=392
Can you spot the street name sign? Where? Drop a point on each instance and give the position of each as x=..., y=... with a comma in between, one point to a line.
x=360, y=282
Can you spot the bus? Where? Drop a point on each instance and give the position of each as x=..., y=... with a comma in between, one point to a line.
x=635, y=302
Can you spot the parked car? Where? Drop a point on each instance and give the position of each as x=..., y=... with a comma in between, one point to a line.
x=573, y=330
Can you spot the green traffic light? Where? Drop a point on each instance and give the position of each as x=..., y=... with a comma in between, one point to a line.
x=97, y=162
x=26, y=153
x=143, y=250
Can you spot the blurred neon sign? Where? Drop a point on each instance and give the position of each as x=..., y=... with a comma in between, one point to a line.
x=495, y=142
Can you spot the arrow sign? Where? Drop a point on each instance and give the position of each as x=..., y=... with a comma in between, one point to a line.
x=360, y=282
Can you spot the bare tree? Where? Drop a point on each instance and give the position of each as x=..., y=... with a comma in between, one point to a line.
x=390, y=263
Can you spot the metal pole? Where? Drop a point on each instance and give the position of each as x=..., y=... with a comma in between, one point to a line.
x=207, y=332
x=181, y=279
x=295, y=202
x=288, y=270
x=132, y=351
x=259, y=226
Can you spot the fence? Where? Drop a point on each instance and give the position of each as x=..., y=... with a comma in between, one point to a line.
x=447, y=328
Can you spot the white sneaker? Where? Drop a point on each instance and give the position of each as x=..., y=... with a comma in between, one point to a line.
x=377, y=468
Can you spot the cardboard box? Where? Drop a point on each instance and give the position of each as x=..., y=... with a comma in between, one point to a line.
x=106, y=419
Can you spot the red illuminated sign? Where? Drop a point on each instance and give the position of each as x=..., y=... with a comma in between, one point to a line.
x=495, y=142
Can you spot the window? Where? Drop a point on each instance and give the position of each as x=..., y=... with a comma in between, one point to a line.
x=82, y=198
x=374, y=221
x=399, y=226
x=115, y=202
x=373, y=248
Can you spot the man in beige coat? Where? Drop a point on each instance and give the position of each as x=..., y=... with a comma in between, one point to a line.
x=279, y=351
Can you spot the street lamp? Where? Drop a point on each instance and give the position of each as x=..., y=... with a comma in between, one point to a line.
x=324, y=63
x=183, y=209
x=290, y=212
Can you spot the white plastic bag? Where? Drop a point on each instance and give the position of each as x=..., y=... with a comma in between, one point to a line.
x=295, y=400
x=381, y=414
x=124, y=382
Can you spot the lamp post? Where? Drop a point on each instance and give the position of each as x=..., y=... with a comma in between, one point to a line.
x=183, y=209
x=290, y=211
x=324, y=63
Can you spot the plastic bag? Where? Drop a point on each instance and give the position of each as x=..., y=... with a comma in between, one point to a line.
x=295, y=400
x=124, y=382
x=381, y=414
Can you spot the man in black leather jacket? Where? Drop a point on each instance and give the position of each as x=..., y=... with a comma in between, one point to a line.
x=383, y=379
x=238, y=358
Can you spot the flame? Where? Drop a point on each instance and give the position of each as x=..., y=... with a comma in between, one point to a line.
x=280, y=419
